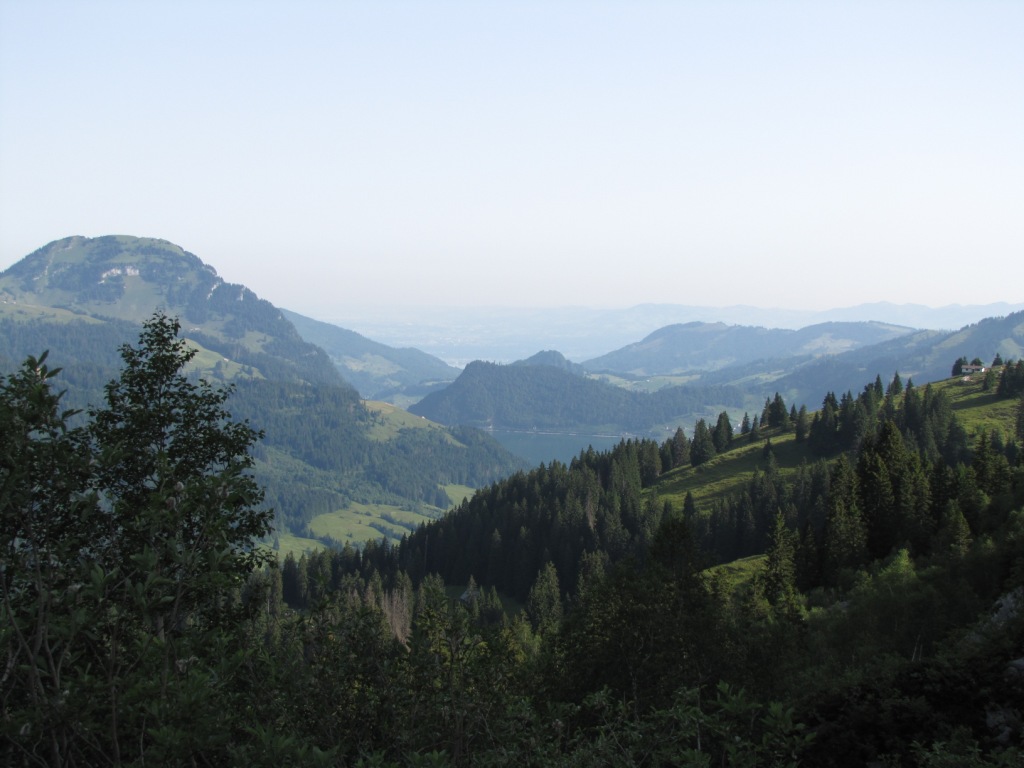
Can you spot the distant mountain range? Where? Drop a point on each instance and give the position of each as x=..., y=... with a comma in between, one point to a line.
x=379, y=372
x=325, y=450
x=459, y=335
x=677, y=372
x=685, y=372
x=552, y=398
x=690, y=347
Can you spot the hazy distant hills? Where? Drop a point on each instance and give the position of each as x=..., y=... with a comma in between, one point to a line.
x=555, y=359
x=923, y=356
x=551, y=398
x=379, y=372
x=459, y=335
x=82, y=297
x=731, y=368
x=324, y=449
x=691, y=347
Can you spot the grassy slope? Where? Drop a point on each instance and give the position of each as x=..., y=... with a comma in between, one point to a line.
x=724, y=475
x=394, y=419
x=720, y=477
x=979, y=410
x=357, y=522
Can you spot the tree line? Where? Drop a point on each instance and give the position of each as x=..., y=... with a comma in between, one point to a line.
x=143, y=623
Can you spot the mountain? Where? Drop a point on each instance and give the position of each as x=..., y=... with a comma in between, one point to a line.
x=379, y=372
x=690, y=347
x=119, y=278
x=563, y=407
x=548, y=398
x=924, y=356
x=462, y=334
x=331, y=464
x=553, y=359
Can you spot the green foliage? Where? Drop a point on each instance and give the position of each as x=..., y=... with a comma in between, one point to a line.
x=729, y=728
x=702, y=447
x=125, y=542
x=721, y=436
x=140, y=624
x=531, y=397
x=544, y=603
x=1011, y=381
x=323, y=449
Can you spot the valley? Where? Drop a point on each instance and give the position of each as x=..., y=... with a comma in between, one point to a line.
x=801, y=527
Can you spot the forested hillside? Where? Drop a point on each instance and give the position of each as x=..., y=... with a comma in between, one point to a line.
x=923, y=356
x=379, y=372
x=885, y=526
x=549, y=397
x=323, y=449
x=563, y=616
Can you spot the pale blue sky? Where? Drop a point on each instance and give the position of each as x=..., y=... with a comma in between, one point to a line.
x=326, y=154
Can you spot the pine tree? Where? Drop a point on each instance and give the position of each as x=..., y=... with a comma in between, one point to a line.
x=778, y=416
x=680, y=448
x=802, y=424
x=895, y=386
x=779, y=574
x=544, y=603
x=722, y=435
x=845, y=544
x=702, y=447
x=953, y=538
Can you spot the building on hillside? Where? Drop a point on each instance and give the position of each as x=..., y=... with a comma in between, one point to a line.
x=968, y=369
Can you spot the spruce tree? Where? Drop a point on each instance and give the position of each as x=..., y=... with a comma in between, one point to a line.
x=722, y=435
x=702, y=447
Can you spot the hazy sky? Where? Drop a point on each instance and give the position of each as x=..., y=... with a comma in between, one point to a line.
x=327, y=154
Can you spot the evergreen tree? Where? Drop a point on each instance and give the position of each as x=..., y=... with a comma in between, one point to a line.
x=544, y=603
x=988, y=382
x=778, y=416
x=895, y=386
x=845, y=544
x=953, y=538
x=755, y=430
x=779, y=574
x=722, y=435
x=702, y=447
x=802, y=424
x=680, y=448
x=823, y=432
x=1011, y=381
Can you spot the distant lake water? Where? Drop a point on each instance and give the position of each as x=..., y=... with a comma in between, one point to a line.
x=545, y=447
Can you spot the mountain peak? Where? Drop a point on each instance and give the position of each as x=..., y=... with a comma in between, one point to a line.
x=552, y=358
x=129, y=278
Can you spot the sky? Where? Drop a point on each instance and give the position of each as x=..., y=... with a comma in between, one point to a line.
x=339, y=154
